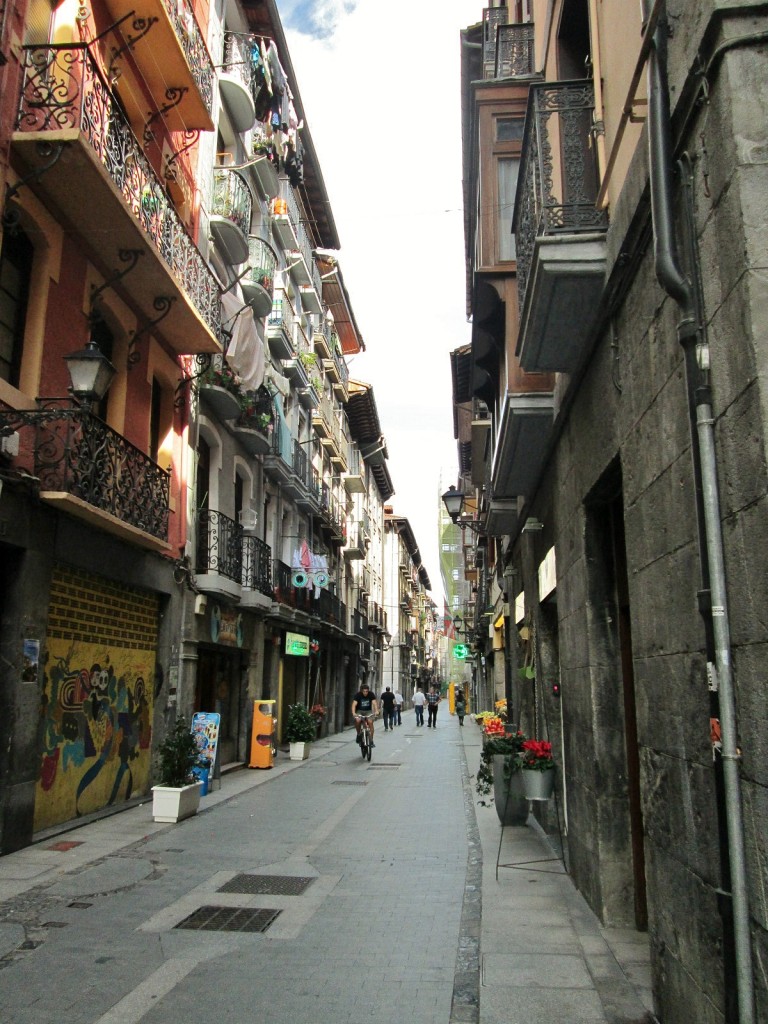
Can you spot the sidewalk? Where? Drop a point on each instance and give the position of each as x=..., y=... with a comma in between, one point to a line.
x=444, y=934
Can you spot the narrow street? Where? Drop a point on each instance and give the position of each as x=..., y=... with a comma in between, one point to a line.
x=367, y=881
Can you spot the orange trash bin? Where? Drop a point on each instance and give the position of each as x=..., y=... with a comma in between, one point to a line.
x=263, y=734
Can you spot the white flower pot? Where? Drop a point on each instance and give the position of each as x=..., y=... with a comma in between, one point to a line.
x=538, y=785
x=299, y=751
x=173, y=804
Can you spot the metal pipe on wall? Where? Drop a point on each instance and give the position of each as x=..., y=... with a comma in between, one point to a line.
x=690, y=333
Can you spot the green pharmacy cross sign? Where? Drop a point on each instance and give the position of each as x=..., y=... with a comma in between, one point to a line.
x=460, y=651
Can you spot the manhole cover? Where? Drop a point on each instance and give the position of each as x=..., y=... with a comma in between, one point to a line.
x=269, y=885
x=348, y=782
x=228, y=919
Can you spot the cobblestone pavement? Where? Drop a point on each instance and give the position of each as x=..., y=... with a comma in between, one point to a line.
x=319, y=892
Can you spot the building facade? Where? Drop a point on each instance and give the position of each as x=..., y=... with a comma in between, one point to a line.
x=612, y=446
x=207, y=529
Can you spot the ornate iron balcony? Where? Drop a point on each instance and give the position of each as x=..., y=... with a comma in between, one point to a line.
x=492, y=18
x=192, y=43
x=81, y=456
x=63, y=88
x=514, y=50
x=558, y=183
x=219, y=545
x=257, y=565
x=238, y=61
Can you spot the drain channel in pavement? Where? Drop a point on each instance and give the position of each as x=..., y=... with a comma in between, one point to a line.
x=347, y=782
x=228, y=919
x=269, y=885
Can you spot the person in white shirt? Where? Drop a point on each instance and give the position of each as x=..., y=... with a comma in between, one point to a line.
x=418, y=704
x=398, y=718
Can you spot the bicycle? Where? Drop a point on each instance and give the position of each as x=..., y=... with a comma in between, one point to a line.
x=366, y=740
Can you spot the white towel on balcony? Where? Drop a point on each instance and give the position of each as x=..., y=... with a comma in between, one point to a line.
x=245, y=353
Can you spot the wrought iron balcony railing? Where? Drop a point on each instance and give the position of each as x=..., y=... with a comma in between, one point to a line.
x=514, y=50
x=232, y=199
x=192, y=43
x=81, y=456
x=238, y=61
x=219, y=545
x=558, y=185
x=257, y=565
x=300, y=461
x=492, y=18
x=262, y=261
x=63, y=88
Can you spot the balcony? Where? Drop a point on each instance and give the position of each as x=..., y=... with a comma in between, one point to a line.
x=354, y=478
x=285, y=217
x=560, y=233
x=184, y=75
x=69, y=118
x=258, y=283
x=91, y=472
x=321, y=604
x=230, y=220
x=514, y=51
x=281, y=326
x=278, y=461
x=493, y=17
x=524, y=430
x=236, y=82
x=257, y=573
x=219, y=555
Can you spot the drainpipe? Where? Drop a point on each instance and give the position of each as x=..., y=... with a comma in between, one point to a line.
x=693, y=339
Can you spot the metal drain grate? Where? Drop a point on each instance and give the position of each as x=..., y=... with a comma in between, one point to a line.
x=373, y=767
x=348, y=782
x=228, y=919
x=269, y=885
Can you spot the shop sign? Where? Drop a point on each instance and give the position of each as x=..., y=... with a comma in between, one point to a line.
x=226, y=626
x=297, y=644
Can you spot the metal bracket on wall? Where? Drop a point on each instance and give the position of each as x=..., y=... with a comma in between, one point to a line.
x=44, y=149
x=163, y=304
x=141, y=26
x=129, y=256
x=174, y=94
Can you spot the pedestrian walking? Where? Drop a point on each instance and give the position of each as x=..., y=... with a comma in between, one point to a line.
x=418, y=706
x=433, y=699
x=398, y=707
x=461, y=706
x=388, y=709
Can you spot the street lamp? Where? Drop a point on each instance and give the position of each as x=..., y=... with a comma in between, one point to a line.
x=454, y=503
x=91, y=374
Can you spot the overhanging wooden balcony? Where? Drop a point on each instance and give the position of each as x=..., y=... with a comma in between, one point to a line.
x=93, y=176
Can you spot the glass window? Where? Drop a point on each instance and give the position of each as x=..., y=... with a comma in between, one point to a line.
x=508, y=170
x=509, y=129
x=15, y=273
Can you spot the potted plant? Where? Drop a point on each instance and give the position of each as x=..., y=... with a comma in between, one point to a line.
x=221, y=389
x=300, y=730
x=177, y=793
x=537, y=769
x=499, y=772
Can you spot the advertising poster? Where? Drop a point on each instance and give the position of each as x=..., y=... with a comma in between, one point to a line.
x=205, y=729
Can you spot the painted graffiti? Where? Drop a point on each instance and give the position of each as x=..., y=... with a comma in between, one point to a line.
x=96, y=729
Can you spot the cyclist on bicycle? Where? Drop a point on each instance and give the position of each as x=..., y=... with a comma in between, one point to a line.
x=364, y=705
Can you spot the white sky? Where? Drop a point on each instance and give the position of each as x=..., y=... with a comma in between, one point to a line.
x=379, y=82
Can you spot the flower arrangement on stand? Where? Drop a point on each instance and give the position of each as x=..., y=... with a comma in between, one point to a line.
x=537, y=766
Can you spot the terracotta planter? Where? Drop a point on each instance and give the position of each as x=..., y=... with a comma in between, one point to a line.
x=508, y=794
x=538, y=785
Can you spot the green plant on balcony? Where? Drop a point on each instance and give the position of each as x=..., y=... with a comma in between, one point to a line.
x=308, y=359
x=222, y=376
x=257, y=410
x=263, y=277
x=316, y=383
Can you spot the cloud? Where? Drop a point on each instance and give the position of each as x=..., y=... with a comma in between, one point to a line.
x=317, y=19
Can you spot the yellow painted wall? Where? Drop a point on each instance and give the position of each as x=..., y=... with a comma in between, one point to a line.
x=96, y=706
